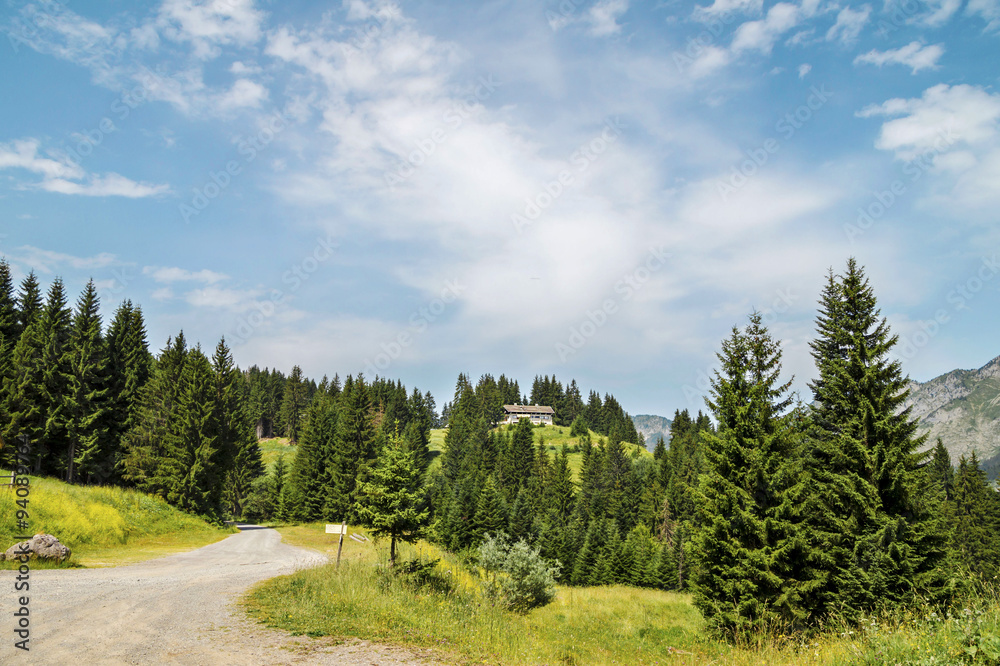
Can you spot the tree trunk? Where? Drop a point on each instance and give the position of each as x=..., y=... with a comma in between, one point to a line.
x=392, y=553
x=69, y=465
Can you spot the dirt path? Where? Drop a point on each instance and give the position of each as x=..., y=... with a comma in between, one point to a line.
x=174, y=610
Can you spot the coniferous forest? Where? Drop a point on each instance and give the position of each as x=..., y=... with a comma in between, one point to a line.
x=774, y=510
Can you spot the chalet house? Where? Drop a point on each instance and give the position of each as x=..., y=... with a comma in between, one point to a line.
x=537, y=414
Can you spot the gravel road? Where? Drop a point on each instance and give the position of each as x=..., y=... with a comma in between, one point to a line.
x=175, y=610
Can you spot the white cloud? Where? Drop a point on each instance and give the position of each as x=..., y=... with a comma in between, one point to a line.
x=603, y=17
x=207, y=24
x=961, y=114
x=168, y=274
x=721, y=9
x=235, y=300
x=849, y=24
x=23, y=154
x=954, y=132
x=710, y=60
x=804, y=69
x=244, y=93
x=941, y=11
x=761, y=35
x=913, y=55
x=989, y=10
x=60, y=174
x=48, y=261
x=107, y=185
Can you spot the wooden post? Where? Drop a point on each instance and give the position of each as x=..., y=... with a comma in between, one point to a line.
x=340, y=545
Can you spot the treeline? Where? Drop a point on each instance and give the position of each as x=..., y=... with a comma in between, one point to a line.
x=344, y=432
x=71, y=389
x=96, y=407
x=606, y=528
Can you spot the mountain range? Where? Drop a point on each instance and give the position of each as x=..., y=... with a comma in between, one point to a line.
x=652, y=427
x=962, y=407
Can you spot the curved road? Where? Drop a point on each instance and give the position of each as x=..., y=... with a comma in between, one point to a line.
x=174, y=610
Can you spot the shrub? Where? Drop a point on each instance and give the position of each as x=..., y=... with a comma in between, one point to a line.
x=578, y=428
x=516, y=576
x=421, y=575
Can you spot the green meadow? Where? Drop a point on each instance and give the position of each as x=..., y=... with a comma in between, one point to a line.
x=104, y=526
x=554, y=438
x=592, y=625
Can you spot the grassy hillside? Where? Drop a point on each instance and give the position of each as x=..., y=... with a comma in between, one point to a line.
x=595, y=625
x=104, y=526
x=271, y=448
x=555, y=437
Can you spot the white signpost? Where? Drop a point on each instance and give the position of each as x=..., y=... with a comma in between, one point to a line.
x=340, y=529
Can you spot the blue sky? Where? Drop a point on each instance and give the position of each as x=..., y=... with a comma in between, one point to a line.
x=598, y=190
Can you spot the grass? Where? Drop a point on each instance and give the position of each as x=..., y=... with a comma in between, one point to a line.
x=104, y=526
x=595, y=625
x=270, y=449
x=555, y=437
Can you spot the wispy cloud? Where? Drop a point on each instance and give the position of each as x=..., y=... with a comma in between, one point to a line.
x=849, y=24
x=604, y=15
x=48, y=261
x=61, y=175
x=168, y=275
x=914, y=55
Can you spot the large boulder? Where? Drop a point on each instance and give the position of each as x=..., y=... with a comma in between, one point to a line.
x=40, y=546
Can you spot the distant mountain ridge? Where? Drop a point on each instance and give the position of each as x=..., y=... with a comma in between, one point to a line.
x=651, y=426
x=962, y=407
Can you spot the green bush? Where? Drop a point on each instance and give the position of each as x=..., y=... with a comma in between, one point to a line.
x=516, y=576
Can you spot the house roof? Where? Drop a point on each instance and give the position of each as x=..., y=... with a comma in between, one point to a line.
x=528, y=409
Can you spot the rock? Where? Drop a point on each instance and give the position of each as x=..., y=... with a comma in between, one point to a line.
x=40, y=546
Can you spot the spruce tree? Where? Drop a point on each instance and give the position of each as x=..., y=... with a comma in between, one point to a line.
x=145, y=447
x=390, y=502
x=941, y=471
x=293, y=404
x=89, y=452
x=239, y=456
x=129, y=368
x=57, y=376
x=193, y=465
x=24, y=406
x=742, y=539
x=311, y=478
x=9, y=333
x=29, y=301
x=873, y=540
x=976, y=538
x=356, y=447
x=491, y=512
